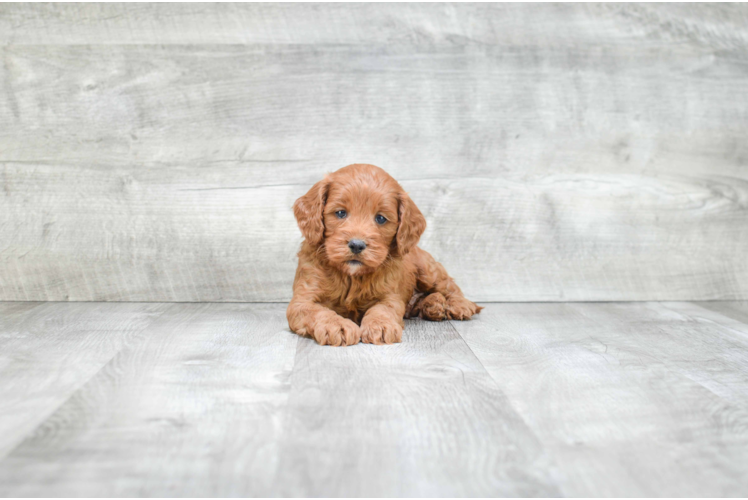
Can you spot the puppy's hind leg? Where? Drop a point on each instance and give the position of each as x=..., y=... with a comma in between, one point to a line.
x=458, y=307
x=432, y=278
x=432, y=306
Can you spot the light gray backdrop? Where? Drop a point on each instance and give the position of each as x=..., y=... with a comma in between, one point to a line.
x=559, y=152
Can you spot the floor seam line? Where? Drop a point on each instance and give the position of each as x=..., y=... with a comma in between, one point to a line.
x=77, y=389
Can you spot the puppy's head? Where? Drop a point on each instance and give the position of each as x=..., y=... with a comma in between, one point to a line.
x=359, y=216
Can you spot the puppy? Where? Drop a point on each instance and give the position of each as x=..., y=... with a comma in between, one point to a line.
x=360, y=272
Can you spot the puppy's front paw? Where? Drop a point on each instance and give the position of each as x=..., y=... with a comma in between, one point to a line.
x=336, y=330
x=461, y=308
x=381, y=331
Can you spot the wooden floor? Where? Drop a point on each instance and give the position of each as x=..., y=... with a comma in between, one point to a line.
x=543, y=399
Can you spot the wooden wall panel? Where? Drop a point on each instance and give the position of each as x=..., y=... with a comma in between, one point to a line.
x=559, y=152
x=365, y=23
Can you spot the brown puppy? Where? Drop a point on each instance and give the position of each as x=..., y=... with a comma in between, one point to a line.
x=359, y=263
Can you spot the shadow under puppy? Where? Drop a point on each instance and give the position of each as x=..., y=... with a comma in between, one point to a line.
x=360, y=272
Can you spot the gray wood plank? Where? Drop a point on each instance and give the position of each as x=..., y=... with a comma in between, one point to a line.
x=450, y=111
x=556, y=238
x=420, y=418
x=194, y=409
x=50, y=350
x=151, y=23
x=13, y=313
x=738, y=311
x=722, y=364
x=606, y=399
x=637, y=399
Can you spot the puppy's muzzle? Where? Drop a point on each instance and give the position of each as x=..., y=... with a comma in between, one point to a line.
x=356, y=246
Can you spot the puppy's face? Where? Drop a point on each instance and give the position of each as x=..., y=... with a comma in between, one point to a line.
x=359, y=215
x=361, y=221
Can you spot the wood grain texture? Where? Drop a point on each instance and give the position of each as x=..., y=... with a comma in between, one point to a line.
x=738, y=311
x=420, y=418
x=642, y=399
x=138, y=235
x=614, y=399
x=223, y=400
x=48, y=351
x=193, y=409
x=559, y=152
x=276, y=23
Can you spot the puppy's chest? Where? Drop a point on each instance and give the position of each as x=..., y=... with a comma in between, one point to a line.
x=353, y=299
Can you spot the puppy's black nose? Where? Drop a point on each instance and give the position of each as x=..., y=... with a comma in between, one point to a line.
x=356, y=246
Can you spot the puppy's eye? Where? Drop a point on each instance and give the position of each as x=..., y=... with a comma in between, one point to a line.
x=341, y=214
x=381, y=219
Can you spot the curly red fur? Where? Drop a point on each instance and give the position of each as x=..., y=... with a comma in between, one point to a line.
x=340, y=297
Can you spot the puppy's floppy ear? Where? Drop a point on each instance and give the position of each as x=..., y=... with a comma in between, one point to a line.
x=412, y=224
x=308, y=212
